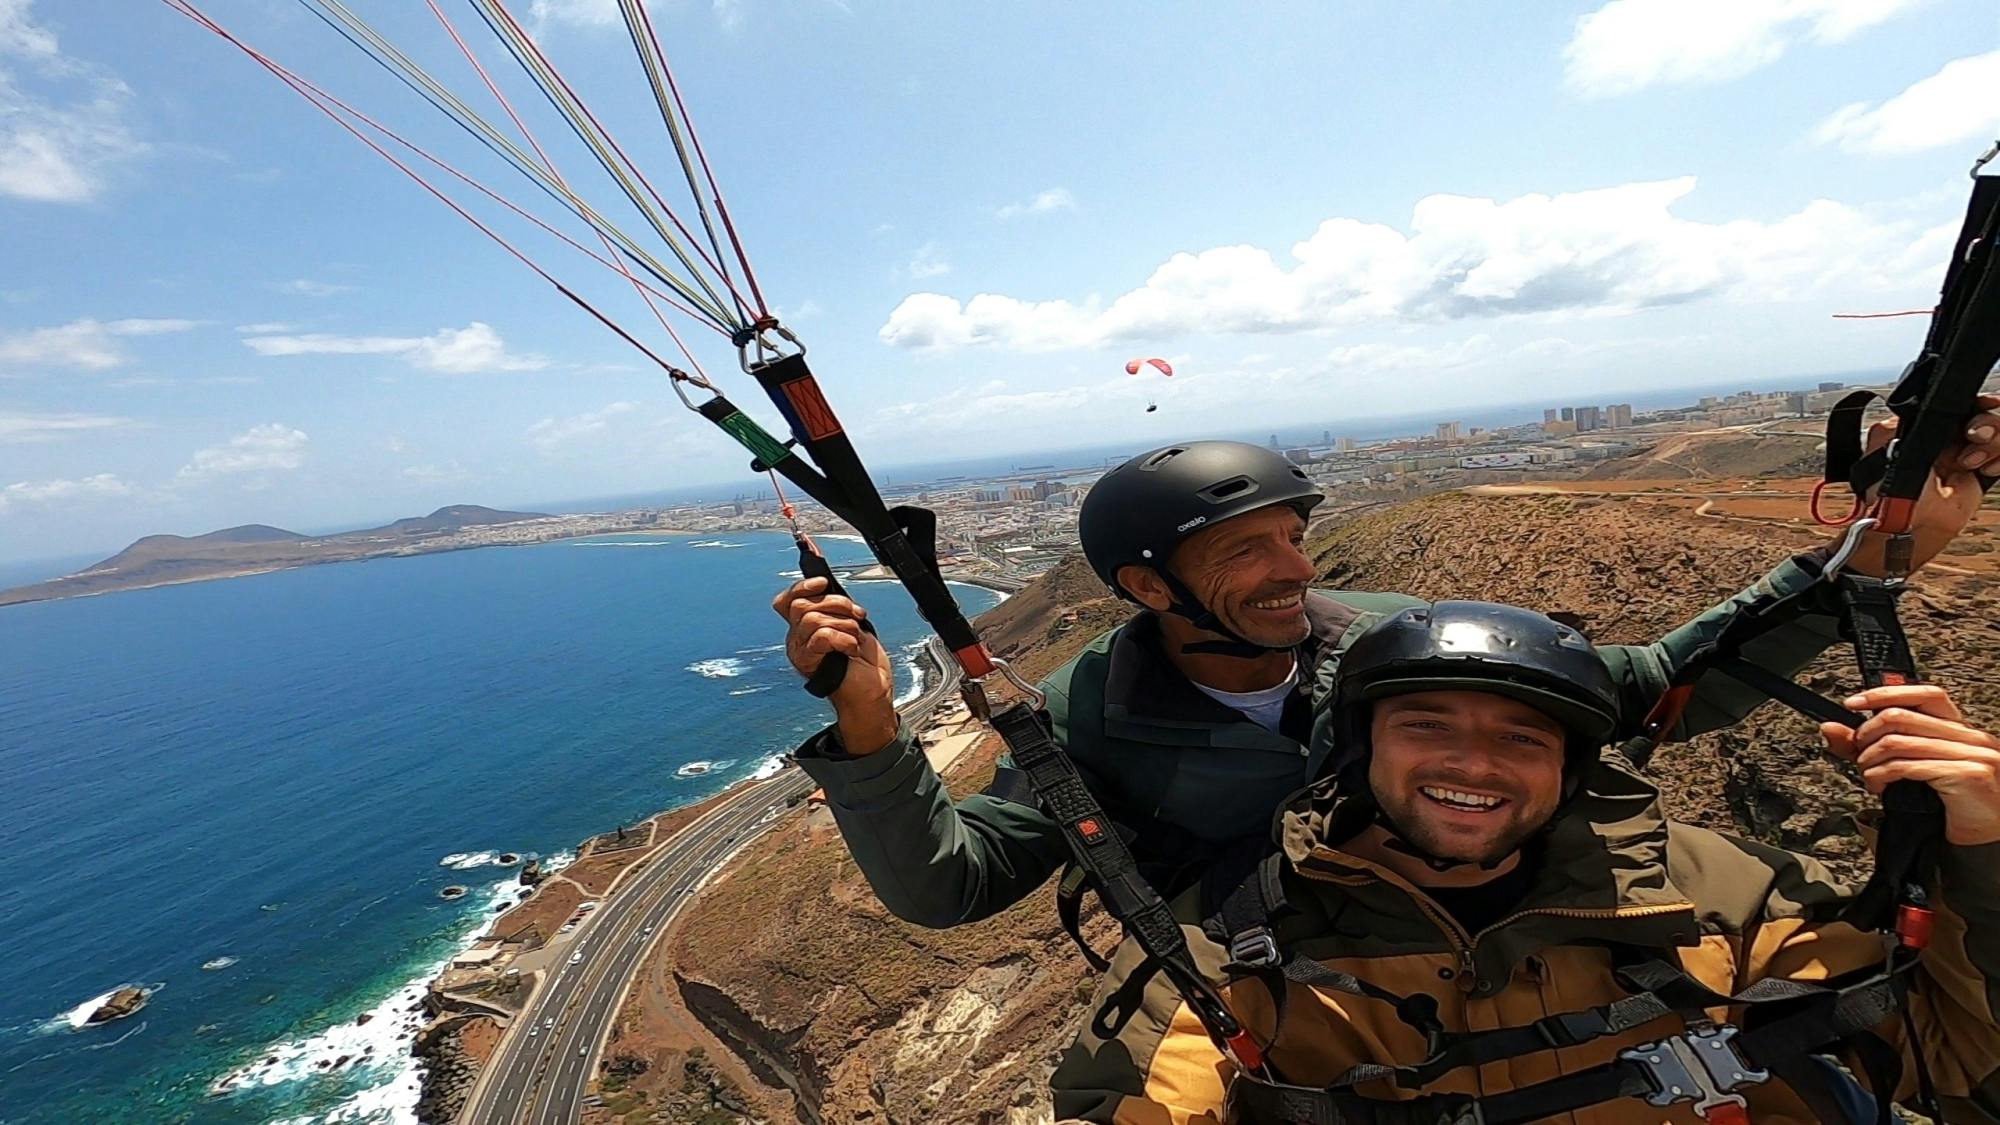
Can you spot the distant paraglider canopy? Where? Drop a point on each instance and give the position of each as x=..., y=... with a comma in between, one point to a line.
x=1132, y=366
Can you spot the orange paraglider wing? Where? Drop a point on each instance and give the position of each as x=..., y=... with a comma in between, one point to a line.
x=1132, y=366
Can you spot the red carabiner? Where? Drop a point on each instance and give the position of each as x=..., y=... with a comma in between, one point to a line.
x=1820, y=519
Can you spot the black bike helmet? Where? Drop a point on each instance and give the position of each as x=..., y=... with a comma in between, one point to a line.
x=1479, y=646
x=1472, y=646
x=1136, y=514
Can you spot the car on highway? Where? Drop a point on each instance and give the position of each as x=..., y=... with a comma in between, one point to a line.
x=549, y=1022
x=647, y=932
x=576, y=958
x=533, y=1031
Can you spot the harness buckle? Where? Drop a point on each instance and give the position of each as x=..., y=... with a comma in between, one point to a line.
x=1701, y=1066
x=1255, y=949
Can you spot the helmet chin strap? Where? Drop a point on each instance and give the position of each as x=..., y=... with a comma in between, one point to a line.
x=1187, y=605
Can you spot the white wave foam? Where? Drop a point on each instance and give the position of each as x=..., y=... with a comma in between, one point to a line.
x=466, y=861
x=718, y=669
x=794, y=575
x=839, y=535
x=717, y=543
x=78, y=1018
x=769, y=767
x=751, y=690
x=625, y=543
x=779, y=647
x=380, y=1048
x=697, y=769
x=910, y=664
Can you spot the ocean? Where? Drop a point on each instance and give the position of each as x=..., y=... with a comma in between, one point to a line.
x=247, y=795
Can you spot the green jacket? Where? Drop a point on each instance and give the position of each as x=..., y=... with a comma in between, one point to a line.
x=1187, y=774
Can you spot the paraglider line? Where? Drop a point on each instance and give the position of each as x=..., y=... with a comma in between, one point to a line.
x=521, y=38
x=549, y=164
x=701, y=154
x=461, y=115
x=186, y=8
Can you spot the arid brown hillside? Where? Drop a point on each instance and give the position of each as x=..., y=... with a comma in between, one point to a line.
x=1700, y=456
x=847, y=1015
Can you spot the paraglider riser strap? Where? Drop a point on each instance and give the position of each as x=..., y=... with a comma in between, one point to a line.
x=1100, y=852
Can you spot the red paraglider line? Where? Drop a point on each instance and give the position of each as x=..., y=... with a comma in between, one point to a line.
x=610, y=250
x=1879, y=316
x=529, y=42
x=301, y=87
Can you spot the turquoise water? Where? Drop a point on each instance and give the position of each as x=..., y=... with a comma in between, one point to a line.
x=262, y=775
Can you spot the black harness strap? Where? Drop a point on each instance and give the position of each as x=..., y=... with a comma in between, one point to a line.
x=1107, y=862
x=1707, y=1064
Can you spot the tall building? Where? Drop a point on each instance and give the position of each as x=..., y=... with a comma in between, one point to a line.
x=1832, y=386
x=1347, y=445
x=1046, y=488
x=1551, y=415
x=1588, y=418
x=1568, y=414
x=1020, y=493
x=1326, y=437
x=1447, y=431
x=1795, y=403
x=1274, y=441
x=1618, y=416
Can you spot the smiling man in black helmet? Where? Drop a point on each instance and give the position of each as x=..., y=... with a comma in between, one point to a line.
x=1193, y=721
x=1482, y=915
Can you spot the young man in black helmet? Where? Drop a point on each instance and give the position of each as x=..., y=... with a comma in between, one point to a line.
x=1193, y=721
x=1481, y=915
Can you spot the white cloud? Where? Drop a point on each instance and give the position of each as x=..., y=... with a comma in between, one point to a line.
x=266, y=328
x=60, y=141
x=1958, y=104
x=1627, y=45
x=57, y=492
x=271, y=447
x=30, y=429
x=928, y=261
x=1602, y=252
x=307, y=287
x=453, y=351
x=1054, y=199
x=90, y=345
x=451, y=472
x=961, y=410
x=551, y=433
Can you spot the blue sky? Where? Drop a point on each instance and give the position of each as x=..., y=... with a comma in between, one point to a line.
x=216, y=307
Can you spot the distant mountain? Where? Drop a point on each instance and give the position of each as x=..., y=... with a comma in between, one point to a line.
x=159, y=560
x=174, y=546
x=452, y=518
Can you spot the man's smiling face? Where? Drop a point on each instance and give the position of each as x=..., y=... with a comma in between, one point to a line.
x=1465, y=775
x=1252, y=573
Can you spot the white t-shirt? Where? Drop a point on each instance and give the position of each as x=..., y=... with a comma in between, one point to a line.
x=1266, y=708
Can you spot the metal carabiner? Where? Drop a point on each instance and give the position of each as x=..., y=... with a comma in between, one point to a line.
x=1985, y=158
x=767, y=352
x=1848, y=546
x=676, y=376
x=1031, y=691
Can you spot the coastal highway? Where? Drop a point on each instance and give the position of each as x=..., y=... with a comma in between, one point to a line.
x=540, y=1078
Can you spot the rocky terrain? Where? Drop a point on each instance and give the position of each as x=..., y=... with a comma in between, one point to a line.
x=837, y=1012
